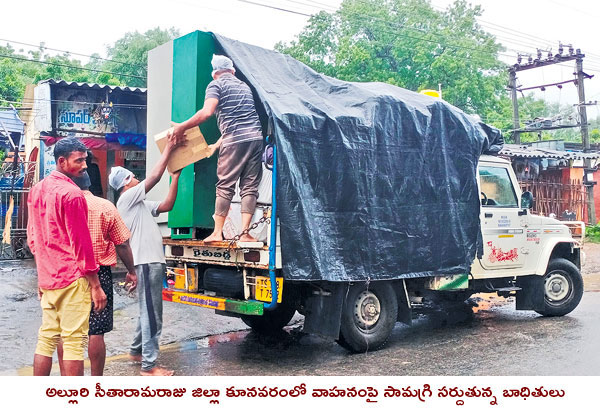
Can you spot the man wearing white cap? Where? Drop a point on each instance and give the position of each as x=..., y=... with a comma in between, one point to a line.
x=240, y=145
x=148, y=253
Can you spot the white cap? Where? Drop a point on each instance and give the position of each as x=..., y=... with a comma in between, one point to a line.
x=119, y=177
x=220, y=63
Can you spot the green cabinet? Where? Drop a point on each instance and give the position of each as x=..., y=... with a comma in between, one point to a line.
x=195, y=202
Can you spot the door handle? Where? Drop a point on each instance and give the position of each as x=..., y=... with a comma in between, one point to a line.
x=489, y=215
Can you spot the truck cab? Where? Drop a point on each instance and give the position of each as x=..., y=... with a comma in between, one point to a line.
x=520, y=248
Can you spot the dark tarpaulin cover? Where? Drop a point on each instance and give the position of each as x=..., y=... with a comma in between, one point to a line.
x=375, y=182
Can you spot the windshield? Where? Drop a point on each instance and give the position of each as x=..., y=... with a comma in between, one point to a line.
x=496, y=187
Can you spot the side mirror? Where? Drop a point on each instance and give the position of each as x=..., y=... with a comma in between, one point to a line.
x=526, y=200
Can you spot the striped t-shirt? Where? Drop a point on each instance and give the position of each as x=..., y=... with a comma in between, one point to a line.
x=236, y=114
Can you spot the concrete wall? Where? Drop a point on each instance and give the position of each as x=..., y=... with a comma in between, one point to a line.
x=160, y=84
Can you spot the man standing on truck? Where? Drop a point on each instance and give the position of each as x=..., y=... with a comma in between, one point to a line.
x=59, y=238
x=110, y=237
x=148, y=254
x=240, y=145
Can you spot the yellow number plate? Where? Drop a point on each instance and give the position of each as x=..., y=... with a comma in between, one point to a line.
x=263, y=289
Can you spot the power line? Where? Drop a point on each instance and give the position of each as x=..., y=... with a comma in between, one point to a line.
x=529, y=39
x=118, y=105
x=495, y=26
x=321, y=6
x=73, y=53
x=478, y=50
x=70, y=66
x=571, y=8
x=366, y=16
x=275, y=8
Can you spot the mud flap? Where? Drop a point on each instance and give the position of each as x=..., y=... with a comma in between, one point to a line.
x=404, y=309
x=531, y=295
x=323, y=310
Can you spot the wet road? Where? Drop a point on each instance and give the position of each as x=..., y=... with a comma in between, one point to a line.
x=21, y=316
x=493, y=339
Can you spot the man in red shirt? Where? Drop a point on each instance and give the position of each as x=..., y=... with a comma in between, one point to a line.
x=110, y=236
x=59, y=238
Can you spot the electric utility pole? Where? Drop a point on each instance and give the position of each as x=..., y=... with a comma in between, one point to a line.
x=580, y=76
x=513, y=92
x=585, y=137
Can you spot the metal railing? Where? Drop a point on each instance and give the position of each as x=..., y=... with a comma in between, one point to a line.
x=16, y=179
x=577, y=229
x=13, y=224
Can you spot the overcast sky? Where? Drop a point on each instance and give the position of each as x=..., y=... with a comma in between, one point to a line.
x=522, y=25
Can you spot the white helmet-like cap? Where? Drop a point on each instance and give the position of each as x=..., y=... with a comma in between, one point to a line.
x=220, y=63
x=119, y=177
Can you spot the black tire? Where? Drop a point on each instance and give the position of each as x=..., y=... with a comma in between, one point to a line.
x=271, y=321
x=563, y=288
x=368, y=316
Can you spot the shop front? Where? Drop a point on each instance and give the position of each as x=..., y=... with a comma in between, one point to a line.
x=109, y=120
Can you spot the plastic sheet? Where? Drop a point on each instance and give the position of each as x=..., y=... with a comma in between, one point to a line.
x=376, y=182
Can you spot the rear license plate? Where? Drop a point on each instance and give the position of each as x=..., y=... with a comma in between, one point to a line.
x=263, y=289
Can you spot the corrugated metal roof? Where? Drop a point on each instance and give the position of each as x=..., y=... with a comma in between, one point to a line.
x=525, y=151
x=11, y=121
x=95, y=86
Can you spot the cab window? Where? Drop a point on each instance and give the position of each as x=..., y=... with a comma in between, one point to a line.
x=496, y=188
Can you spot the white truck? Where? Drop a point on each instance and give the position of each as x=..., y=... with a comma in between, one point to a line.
x=535, y=259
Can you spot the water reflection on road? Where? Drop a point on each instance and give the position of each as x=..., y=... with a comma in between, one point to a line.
x=489, y=339
x=494, y=340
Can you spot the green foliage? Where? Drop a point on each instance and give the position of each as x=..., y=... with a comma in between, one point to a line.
x=592, y=233
x=15, y=74
x=529, y=109
x=129, y=55
x=2, y=154
x=409, y=44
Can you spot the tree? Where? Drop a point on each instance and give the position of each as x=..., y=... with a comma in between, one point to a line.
x=14, y=73
x=130, y=54
x=19, y=68
x=409, y=44
x=529, y=109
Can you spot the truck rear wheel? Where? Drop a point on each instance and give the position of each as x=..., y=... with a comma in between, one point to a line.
x=368, y=317
x=271, y=321
x=563, y=288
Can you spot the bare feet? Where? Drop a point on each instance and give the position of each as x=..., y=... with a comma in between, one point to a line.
x=248, y=238
x=157, y=371
x=135, y=357
x=214, y=237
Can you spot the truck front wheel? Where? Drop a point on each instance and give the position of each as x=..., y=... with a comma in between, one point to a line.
x=368, y=317
x=563, y=288
x=271, y=321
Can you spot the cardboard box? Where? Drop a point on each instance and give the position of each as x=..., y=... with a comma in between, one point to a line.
x=195, y=148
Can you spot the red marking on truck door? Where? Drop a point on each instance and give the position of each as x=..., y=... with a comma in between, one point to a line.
x=498, y=255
